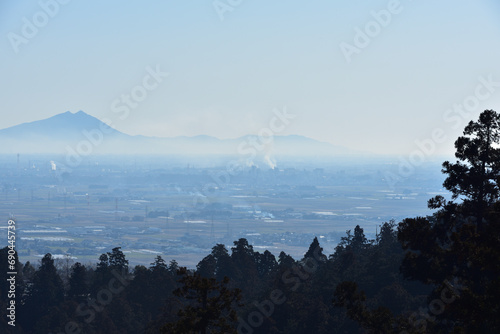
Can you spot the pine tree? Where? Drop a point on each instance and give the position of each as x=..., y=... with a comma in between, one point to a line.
x=45, y=294
x=315, y=252
x=78, y=285
x=474, y=177
x=456, y=250
x=117, y=260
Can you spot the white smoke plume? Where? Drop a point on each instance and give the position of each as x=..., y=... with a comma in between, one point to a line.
x=270, y=162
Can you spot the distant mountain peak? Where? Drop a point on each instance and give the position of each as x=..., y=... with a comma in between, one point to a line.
x=80, y=130
x=69, y=114
x=63, y=126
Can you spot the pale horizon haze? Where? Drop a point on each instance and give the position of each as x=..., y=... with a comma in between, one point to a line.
x=231, y=63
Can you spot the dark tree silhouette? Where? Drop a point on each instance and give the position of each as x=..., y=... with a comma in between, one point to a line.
x=78, y=286
x=315, y=252
x=211, y=305
x=456, y=250
x=173, y=266
x=378, y=321
x=266, y=263
x=159, y=265
x=207, y=266
x=28, y=271
x=117, y=260
x=45, y=294
x=475, y=175
x=285, y=260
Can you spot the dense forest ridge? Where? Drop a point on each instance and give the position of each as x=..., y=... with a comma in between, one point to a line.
x=435, y=274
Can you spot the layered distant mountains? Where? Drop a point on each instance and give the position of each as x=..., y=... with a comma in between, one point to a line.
x=85, y=134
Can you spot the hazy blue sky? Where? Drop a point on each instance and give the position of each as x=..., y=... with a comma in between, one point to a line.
x=226, y=76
